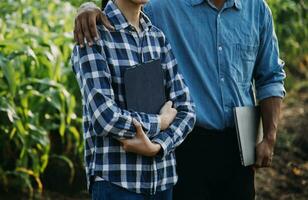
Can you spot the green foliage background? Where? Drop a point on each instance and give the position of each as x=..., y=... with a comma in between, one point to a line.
x=291, y=25
x=39, y=114
x=40, y=107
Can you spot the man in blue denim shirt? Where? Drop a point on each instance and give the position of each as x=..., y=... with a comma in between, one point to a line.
x=222, y=48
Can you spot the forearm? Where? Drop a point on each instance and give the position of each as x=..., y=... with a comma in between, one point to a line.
x=118, y=122
x=270, y=111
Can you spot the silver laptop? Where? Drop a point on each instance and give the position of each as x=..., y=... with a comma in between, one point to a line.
x=249, y=128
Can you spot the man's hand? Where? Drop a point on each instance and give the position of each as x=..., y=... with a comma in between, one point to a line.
x=265, y=152
x=141, y=144
x=167, y=115
x=85, y=23
x=270, y=110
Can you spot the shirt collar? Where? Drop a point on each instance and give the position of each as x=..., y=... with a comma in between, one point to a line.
x=120, y=22
x=237, y=3
x=234, y=3
x=196, y=2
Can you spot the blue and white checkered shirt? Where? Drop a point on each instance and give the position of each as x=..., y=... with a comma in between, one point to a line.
x=99, y=70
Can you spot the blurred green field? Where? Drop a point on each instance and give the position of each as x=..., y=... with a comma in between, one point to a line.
x=41, y=143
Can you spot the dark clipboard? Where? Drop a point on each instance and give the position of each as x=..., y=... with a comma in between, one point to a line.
x=144, y=87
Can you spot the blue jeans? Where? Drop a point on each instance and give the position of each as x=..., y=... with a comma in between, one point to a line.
x=104, y=190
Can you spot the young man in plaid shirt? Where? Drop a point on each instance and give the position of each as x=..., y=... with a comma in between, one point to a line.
x=128, y=154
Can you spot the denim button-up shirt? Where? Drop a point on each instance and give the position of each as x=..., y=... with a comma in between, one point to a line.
x=221, y=53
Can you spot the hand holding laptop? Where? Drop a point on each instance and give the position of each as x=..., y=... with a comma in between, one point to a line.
x=255, y=149
x=264, y=153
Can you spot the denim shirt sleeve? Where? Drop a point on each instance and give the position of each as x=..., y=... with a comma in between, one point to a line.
x=269, y=73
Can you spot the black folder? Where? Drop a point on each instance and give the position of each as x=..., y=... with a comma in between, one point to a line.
x=144, y=87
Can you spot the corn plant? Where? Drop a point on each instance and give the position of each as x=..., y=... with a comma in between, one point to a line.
x=37, y=89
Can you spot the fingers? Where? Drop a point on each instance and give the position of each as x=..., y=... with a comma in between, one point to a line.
x=169, y=104
x=138, y=126
x=85, y=26
x=124, y=144
x=165, y=107
x=259, y=156
x=104, y=20
x=75, y=37
x=136, y=123
x=78, y=34
x=266, y=162
x=85, y=30
x=259, y=162
x=92, y=28
x=174, y=111
x=263, y=161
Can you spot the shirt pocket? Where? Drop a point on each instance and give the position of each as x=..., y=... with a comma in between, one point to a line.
x=244, y=61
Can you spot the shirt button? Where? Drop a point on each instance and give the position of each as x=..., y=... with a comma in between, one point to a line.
x=222, y=79
x=220, y=48
x=218, y=15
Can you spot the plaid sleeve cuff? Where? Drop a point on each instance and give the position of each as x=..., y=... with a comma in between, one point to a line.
x=165, y=142
x=271, y=90
x=153, y=127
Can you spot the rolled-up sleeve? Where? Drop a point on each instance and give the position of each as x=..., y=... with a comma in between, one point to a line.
x=269, y=74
